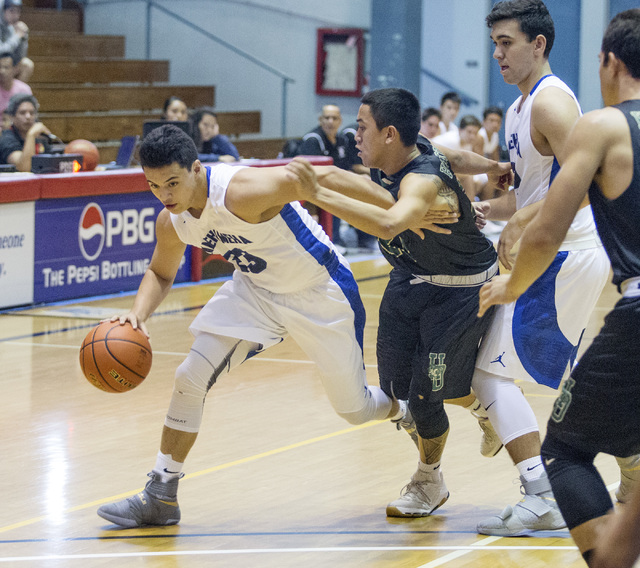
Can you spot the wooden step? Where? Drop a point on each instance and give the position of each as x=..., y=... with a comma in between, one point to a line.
x=264, y=149
x=50, y=20
x=70, y=70
x=109, y=98
x=113, y=127
x=76, y=45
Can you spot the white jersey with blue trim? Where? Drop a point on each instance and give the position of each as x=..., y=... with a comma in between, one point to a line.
x=534, y=172
x=287, y=253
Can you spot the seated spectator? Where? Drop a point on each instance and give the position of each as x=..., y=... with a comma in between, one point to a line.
x=9, y=85
x=449, y=109
x=487, y=142
x=26, y=137
x=430, y=122
x=462, y=139
x=14, y=38
x=175, y=109
x=212, y=146
x=7, y=121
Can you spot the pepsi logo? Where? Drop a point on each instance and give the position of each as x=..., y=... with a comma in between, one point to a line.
x=91, y=231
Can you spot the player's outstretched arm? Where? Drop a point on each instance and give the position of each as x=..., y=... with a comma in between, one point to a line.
x=160, y=274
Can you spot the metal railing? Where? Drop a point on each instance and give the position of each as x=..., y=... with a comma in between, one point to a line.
x=151, y=4
x=465, y=98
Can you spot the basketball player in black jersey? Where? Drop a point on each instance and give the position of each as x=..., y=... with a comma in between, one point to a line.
x=598, y=409
x=428, y=333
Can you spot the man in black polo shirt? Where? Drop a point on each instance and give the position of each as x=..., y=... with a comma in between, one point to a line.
x=26, y=137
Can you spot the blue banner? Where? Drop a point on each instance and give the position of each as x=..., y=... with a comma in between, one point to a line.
x=88, y=246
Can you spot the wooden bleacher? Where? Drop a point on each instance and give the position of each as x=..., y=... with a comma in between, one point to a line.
x=86, y=89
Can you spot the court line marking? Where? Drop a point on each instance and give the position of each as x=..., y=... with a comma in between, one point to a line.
x=343, y=549
x=214, y=469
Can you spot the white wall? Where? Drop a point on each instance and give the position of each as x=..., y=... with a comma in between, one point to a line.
x=282, y=35
x=454, y=46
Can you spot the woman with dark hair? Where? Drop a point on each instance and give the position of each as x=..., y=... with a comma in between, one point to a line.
x=212, y=146
x=175, y=109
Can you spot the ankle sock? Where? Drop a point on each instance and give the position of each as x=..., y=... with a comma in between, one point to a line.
x=167, y=467
x=531, y=468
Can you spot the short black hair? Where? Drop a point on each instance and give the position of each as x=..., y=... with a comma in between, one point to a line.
x=492, y=110
x=428, y=112
x=622, y=38
x=532, y=16
x=395, y=107
x=167, y=145
x=470, y=120
x=450, y=96
x=16, y=100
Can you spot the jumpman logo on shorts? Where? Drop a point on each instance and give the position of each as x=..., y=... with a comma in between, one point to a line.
x=498, y=359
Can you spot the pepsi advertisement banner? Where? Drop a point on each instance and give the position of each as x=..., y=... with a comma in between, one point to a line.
x=88, y=246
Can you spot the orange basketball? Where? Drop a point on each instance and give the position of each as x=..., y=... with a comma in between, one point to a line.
x=114, y=357
x=89, y=151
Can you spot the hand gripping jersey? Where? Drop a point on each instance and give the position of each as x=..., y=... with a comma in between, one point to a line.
x=287, y=253
x=466, y=251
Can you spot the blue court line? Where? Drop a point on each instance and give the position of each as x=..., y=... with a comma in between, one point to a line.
x=540, y=534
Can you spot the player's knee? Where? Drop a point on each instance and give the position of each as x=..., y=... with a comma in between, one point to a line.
x=188, y=382
x=355, y=418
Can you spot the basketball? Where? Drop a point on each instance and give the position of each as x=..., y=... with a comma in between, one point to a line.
x=114, y=357
x=89, y=151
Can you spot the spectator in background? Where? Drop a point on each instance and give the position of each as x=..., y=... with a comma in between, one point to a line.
x=449, y=109
x=9, y=85
x=430, y=122
x=7, y=121
x=487, y=142
x=175, y=108
x=462, y=139
x=14, y=38
x=212, y=146
x=26, y=137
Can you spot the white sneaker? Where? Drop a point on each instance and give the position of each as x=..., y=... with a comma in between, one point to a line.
x=490, y=444
x=537, y=511
x=629, y=476
x=421, y=496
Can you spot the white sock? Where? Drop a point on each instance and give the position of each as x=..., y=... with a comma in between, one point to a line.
x=402, y=409
x=167, y=467
x=428, y=467
x=531, y=468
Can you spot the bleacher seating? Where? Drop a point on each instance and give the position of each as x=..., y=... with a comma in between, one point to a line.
x=87, y=89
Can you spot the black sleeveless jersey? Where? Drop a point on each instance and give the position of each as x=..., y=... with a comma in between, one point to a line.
x=465, y=251
x=618, y=220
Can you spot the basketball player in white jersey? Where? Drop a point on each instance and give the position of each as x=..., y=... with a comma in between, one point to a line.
x=288, y=280
x=537, y=337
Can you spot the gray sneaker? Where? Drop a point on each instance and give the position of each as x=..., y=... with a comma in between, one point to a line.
x=156, y=504
x=536, y=511
x=420, y=497
x=629, y=476
x=407, y=422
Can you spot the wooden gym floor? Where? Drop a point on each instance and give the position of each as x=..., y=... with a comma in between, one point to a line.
x=276, y=479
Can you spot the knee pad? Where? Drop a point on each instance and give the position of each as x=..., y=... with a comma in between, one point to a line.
x=210, y=357
x=508, y=409
x=577, y=486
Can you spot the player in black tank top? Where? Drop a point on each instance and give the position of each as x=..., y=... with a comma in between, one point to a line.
x=598, y=409
x=428, y=333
